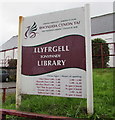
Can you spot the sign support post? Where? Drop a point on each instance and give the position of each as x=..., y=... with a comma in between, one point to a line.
x=18, y=90
x=88, y=60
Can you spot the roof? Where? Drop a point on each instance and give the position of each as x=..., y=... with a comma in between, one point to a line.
x=11, y=43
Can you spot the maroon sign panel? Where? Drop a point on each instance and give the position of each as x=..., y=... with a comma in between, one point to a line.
x=62, y=53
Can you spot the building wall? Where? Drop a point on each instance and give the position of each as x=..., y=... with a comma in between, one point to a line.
x=102, y=24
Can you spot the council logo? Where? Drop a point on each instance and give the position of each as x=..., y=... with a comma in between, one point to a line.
x=31, y=31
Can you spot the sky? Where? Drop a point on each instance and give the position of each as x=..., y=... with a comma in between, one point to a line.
x=10, y=11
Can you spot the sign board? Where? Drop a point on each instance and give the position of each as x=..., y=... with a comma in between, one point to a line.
x=53, y=54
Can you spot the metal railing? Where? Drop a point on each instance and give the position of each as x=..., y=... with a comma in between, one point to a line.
x=102, y=54
x=4, y=93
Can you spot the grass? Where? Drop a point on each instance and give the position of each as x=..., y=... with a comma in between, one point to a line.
x=72, y=107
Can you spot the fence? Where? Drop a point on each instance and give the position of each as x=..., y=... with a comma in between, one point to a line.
x=103, y=54
x=4, y=63
x=33, y=116
x=4, y=93
x=6, y=55
x=12, y=77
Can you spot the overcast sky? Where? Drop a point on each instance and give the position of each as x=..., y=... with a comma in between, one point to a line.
x=10, y=12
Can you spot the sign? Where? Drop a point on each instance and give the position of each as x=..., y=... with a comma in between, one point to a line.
x=53, y=54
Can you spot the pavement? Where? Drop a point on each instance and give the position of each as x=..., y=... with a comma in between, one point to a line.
x=6, y=85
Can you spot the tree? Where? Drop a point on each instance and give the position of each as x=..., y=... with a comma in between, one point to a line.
x=99, y=50
x=12, y=69
x=12, y=63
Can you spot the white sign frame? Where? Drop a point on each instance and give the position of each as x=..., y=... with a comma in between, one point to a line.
x=88, y=62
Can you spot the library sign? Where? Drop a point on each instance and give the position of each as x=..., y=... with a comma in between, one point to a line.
x=53, y=54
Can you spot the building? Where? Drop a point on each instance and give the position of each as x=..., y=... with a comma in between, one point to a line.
x=101, y=27
x=8, y=51
x=104, y=27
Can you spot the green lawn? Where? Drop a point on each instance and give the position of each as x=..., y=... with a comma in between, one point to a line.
x=71, y=107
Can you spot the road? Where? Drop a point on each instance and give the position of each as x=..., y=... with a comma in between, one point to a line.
x=8, y=84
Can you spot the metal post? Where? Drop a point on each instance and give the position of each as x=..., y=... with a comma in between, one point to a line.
x=88, y=60
x=4, y=60
x=3, y=117
x=18, y=89
x=4, y=54
x=4, y=95
x=13, y=52
x=102, y=59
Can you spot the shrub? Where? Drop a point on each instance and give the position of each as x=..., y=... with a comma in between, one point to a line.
x=97, y=52
x=12, y=63
x=12, y=69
